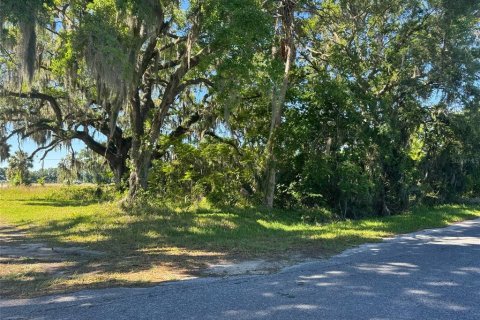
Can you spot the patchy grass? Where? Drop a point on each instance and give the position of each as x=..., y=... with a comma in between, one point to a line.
x=146, y=249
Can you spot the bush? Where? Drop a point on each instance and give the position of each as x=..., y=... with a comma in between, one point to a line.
x=212, y=171
x=84, y=193
x=41, y=181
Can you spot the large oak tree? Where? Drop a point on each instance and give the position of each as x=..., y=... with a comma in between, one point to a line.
x=116, y=74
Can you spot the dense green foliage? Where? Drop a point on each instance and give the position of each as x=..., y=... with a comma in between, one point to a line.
x=362, y=107
x=42, y=176
x=18, y=168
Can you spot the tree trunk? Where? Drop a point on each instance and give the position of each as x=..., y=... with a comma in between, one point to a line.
x=138, y=180
x=287, y=52
x=141, y=161
x=145, y=139
x=138, y=175
x=119, y=169
x=270, y=183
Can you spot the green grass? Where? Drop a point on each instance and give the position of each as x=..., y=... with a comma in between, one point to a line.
x=142, y=249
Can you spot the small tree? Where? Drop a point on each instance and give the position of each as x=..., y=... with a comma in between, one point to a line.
x=18, y=168
x=86, y=166
x=68, y=169
x=3, y=174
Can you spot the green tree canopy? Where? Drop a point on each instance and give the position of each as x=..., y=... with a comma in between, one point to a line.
x=19, y=165
x=363, y=106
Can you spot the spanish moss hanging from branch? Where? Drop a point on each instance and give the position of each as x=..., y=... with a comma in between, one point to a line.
x=27, y=48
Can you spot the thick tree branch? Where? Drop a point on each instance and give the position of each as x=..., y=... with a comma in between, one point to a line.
x=176, y=134
x=39, y=96
x=170, y=93
x=224, y=140
x=90, y=142
x=52, y=145
x=195, y=81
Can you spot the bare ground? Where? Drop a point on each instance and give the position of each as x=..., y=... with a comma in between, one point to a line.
x=23, y=261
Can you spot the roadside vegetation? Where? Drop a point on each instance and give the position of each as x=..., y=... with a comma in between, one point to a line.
x=227, y=130
x=358, y=107
x=144, y=249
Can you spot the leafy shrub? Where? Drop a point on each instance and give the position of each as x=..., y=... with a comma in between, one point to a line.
x=214, y=171
x=84, y=193
x=317, y=216
x=41, y=181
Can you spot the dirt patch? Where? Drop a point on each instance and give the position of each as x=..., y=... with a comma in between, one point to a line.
x=13, y=245
x=26, y=265
x=251, y=266
x=33, y=268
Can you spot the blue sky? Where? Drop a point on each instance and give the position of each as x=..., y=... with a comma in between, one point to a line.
x=51, y=160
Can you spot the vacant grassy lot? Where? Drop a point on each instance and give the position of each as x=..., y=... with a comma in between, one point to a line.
x=146, y=249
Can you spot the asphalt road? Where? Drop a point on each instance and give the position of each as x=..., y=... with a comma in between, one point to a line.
x=433, y=274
